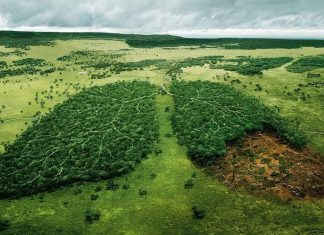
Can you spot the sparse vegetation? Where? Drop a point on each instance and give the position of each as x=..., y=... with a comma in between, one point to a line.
x=253, y=66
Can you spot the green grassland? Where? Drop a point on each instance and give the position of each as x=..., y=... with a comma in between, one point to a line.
x=152, y=198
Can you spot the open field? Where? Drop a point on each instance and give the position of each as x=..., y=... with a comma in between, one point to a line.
x=158, y=195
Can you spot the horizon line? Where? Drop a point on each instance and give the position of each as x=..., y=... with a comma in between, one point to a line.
x=306, y=34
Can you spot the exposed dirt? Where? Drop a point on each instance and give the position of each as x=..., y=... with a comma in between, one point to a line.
x=264, y=164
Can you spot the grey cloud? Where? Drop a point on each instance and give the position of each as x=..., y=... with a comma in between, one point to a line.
x=150, y=16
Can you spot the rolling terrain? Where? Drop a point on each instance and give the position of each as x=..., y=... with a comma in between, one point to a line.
x=134, y=134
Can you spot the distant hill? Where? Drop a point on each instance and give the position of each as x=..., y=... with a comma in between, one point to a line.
x=25, y=39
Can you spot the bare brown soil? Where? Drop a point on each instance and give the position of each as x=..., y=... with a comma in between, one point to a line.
x=264, y=164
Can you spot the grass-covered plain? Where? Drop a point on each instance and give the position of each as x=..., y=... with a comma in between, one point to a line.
x=159, y=195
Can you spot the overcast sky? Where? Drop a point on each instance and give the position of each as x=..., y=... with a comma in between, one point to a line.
x=204, y=18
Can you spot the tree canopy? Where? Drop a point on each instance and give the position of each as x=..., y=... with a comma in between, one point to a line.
x=208, y=115
x=99, y=133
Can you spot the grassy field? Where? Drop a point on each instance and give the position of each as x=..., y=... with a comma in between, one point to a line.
x=167, y=206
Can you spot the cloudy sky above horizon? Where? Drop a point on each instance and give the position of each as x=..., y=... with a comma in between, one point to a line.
x=192, y=18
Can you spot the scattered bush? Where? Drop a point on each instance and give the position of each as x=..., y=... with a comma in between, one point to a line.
x=111, y=185
x=98, y=189
x=253, y=66
x=91, y=216
x=142, y=192
x=198, y=213
x=94, y=197
x=189, y=184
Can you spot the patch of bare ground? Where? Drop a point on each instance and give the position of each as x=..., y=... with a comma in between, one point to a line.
x=263, y=164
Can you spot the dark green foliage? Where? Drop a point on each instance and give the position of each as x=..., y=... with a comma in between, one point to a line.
x=12, y=53
x=3, y=64
x=235, y=81
x=253, y=66
x=198, y=213
x=94, y=197
x=227, y=43
x=99, y=133
x=176, y=68
x=65, y=203
x=119, y=67
x=207, y=115
x=153, y=176
x=91, y=216
x=26, y=39
x=30, y=62
x=258, y=87
x=157, y=151
x=4, y=224
x=111, y=185
x=168, y=135
x=125, y=186
x=98, y=189
x=25, y=66
x=18, y=71
x=307, y=63
x=77, y=191
x=47, y=71
x=316, y=84
x=105, y=64
x=189, y=184
x=142, y=192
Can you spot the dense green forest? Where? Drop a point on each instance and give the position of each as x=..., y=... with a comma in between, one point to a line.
x=227, y=43
x=99, y=133
x=208, y=115
x=306, y=63
x=252, y=66
x=24, y=40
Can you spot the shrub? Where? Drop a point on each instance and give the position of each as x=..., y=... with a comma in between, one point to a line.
x=98, y=189
x=198, y=213
x=94, y=197
x=189, y=184
x=142, y=192
x=91, y=216
x=111, y=185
